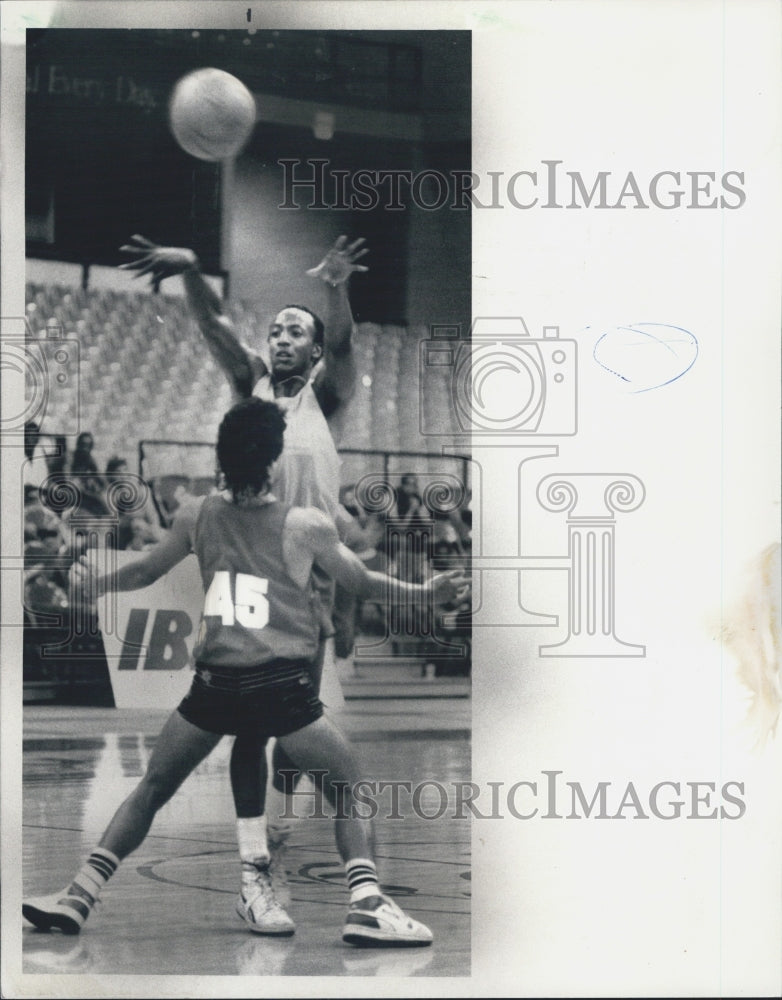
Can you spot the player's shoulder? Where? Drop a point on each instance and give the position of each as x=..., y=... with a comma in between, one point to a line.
x=189, y=509
x=309, y=525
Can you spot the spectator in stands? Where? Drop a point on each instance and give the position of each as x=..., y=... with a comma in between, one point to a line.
x=446, y=539
x=56, y=462
x=408, y=499
x=450, y=539
x=57, y=458
x=46, y=558
x=43, y=596
x=366, y=536
x=406, y=561
x=82, y=460
x=139, y=522
x=35, y=468
x=87, y=480
x=39, y=522
x=361, y=537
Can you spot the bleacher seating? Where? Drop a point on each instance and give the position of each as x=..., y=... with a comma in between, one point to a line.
x=145, y=373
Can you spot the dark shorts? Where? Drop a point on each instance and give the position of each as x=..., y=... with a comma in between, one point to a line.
x=274, y=699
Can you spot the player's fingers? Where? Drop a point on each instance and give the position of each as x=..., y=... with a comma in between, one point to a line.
x=360, y=267
x=143, y=241
x=340, y=243
x=356, y=244
x=313, y=272
x=138, y=251
x=147, y=268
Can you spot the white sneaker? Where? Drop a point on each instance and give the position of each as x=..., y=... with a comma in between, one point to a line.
x=65, y=911
x=260, y=909
x=377, y=920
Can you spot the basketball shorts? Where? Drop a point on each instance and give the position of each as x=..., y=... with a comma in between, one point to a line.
x=273, y=699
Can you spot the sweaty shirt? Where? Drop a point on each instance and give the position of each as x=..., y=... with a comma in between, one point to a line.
x=253, y=611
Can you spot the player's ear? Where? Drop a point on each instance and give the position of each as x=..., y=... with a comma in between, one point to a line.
x=317, y=352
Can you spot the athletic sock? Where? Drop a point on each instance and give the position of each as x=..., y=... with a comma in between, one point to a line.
x=90, y=879
x=253, y=845
x=362, y=879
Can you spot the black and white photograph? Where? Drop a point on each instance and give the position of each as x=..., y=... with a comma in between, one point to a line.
x=176, y=221
x=391, y=498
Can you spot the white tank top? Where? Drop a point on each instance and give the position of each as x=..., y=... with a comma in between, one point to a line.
x=307, y=473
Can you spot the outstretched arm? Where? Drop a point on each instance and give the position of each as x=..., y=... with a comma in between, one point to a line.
x=310, y=531
x=336, y=376
x=242, y=367
x=86, y=583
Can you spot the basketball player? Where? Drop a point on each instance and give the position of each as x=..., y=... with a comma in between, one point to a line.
x=258, y=632
x=311, y=374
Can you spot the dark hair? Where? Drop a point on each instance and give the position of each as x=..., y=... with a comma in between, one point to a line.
x=32, y=435
x=317, y=321
x=114, y=463
x=248, y=441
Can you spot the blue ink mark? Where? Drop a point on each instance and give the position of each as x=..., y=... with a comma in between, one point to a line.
x=646, y=355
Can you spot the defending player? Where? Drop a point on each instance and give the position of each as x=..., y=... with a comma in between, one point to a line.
x=311, y=374
x=257, y=634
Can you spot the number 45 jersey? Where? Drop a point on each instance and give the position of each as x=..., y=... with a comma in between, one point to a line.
x=253, y=611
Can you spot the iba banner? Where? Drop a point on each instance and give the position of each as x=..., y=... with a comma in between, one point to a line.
x=149, y=635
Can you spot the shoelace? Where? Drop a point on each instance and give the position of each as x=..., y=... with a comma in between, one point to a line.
x=258, y=889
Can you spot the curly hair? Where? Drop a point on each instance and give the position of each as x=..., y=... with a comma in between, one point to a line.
x=248, y=442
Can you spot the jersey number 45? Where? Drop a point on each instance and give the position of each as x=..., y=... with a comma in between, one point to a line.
x=247, y=605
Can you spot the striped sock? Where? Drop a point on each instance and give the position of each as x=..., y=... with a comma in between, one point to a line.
x=362, y=879
x=90, y=879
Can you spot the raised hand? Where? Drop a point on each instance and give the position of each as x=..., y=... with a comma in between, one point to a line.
x=340, y=262
x=159, y=262
x=447, y=588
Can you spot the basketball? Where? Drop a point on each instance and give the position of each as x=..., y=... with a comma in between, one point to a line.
x=211, y=114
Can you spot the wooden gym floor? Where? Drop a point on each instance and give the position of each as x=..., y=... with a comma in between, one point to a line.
x=169, y=910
